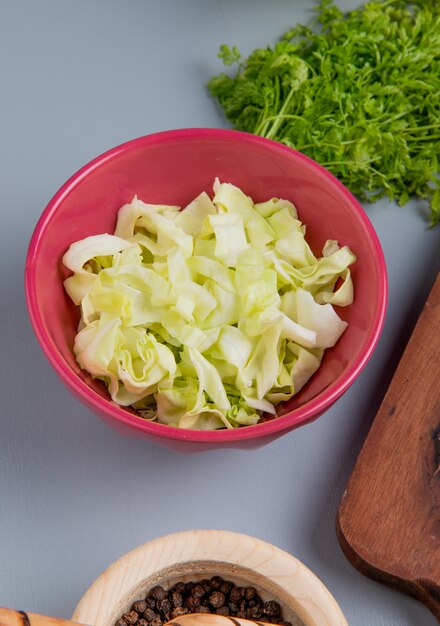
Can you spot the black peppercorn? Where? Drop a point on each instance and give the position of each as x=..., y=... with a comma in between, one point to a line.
x=216, y=582
x=191, y=603
x=250, y=593
x=253, y=613
x=271, y=608
x=149, y=614
x=164, y=605
x=236, y=594
x=176, y=598
x=131, y=617
x=179, y=587
x=226, y=587
x=217, y=599
x=158, y=592
x=205, y=596
x=198, y=591
x=150, y=602
x=206, y=586
x=223, y=610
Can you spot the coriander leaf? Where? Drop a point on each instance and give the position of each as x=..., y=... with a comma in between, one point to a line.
x=356, y=91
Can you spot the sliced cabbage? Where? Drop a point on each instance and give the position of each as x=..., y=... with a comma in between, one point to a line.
x=208, y=317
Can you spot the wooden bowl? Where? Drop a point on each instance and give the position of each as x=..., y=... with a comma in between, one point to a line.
x=194, y=555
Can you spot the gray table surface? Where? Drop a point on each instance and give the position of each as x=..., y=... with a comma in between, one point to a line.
x=78, y=77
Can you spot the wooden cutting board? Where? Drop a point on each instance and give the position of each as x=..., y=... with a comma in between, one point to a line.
x=389, y=519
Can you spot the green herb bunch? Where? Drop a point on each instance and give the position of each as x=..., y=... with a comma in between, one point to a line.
x=359, y=92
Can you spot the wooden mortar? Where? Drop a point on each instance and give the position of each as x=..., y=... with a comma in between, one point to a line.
x=194, y=555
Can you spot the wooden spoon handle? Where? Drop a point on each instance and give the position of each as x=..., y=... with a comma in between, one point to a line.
x=211, y=619
x=10, y=617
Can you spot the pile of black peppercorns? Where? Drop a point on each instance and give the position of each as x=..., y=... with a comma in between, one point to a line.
x=206, y=596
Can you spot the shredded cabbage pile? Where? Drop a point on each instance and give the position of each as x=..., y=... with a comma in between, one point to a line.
x=208, y=317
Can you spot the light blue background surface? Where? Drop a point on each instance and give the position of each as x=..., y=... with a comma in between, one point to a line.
x=78, y=77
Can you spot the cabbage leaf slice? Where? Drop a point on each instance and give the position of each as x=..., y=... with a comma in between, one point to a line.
x=209, y=317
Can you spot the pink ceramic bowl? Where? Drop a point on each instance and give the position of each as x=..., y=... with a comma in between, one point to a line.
x=173, y=167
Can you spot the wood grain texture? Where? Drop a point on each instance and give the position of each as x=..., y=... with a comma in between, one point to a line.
x=207, y=619
x=199, y=554
x=389, y=519
x=11, y=617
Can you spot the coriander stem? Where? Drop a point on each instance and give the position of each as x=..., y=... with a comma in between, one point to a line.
x=429, y=138
x=278, y=118
x=262, y=121
x=409, y=130
x=326, y=164
x=324, y=144
x=285, y=116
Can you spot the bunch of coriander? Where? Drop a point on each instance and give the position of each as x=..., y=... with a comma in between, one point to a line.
x=359, y=92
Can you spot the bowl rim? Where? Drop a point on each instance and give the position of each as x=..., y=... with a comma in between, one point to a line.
x=293, y=419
